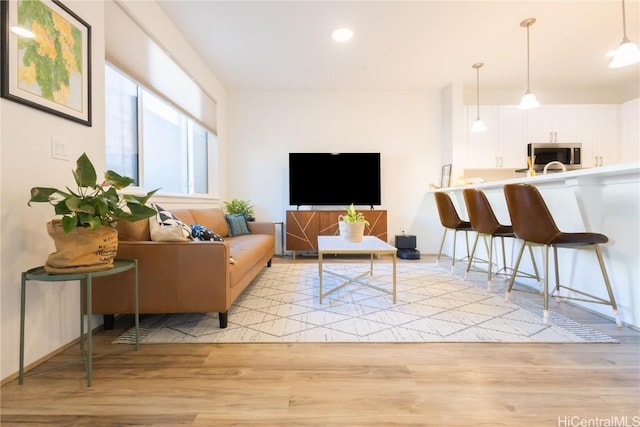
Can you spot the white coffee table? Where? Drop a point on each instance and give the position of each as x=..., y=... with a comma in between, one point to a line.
x=369, y=245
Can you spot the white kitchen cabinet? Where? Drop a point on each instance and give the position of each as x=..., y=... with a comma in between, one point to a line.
x=552, y=123
x=599, y=134
x=512, y=137
x=509, y=129
x=503, y=144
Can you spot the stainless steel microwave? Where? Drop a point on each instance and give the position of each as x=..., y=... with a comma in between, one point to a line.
x=569, y=154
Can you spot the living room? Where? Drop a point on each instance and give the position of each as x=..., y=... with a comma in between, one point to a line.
x=256, y=129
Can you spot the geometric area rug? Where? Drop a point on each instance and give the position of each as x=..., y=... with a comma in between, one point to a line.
x=433, y=305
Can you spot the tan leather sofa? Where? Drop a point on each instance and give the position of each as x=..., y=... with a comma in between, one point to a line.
x=184, y=277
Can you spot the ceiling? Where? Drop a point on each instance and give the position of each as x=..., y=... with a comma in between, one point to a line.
x=408, y=45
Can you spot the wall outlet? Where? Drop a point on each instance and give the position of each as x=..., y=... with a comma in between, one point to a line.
x=59, y=149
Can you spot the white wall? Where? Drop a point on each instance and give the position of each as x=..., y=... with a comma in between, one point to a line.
x=405, y=127
x=52, y=309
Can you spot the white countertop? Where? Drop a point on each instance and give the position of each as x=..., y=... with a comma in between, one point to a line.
x=603, y=172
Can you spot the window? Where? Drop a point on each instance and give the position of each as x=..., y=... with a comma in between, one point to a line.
x=121, y=106
x=153, y=142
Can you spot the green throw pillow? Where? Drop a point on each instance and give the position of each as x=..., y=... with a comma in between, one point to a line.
x=237, y=225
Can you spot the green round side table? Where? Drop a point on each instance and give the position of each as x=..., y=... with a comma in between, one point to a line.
x=41, y=275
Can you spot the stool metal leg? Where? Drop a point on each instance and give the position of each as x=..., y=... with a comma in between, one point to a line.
x=444, y=235
x=473, y=252
x=545, y=311
x=490, y=263
x=453, y=259
x=555, y=262
x=507, y=295
x=535, y=267
x=504, y=256
x=612, y=298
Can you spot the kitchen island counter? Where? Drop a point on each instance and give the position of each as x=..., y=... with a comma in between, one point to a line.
x=603, y=200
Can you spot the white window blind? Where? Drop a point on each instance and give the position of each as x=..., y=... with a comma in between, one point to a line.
x=136, y=53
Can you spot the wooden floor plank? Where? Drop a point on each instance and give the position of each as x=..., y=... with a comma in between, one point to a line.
x=346, y=384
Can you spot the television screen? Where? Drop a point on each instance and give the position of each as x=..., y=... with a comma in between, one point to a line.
x=334, y=179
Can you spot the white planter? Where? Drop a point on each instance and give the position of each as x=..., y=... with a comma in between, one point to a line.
x=352, y=231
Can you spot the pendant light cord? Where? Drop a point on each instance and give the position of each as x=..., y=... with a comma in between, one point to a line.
x=478, y=92
x=624, y=25
x=528, y=61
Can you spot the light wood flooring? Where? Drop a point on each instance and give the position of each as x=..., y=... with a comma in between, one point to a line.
x=429, y=384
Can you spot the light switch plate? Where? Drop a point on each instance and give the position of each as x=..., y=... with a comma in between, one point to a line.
x=59, y=149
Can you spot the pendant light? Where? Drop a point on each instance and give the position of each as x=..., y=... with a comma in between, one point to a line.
x=478, y=124
x=627, y=53
x=529, y=100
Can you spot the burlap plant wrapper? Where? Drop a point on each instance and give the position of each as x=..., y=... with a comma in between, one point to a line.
x=82, y=249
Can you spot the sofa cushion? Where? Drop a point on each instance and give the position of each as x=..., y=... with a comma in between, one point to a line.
x=137, y=231
x=166, y=227
x=237, y=225
x=245, y=250
x=184, y=215
x=213, y=219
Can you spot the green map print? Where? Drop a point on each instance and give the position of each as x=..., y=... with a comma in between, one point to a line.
x=50, y=64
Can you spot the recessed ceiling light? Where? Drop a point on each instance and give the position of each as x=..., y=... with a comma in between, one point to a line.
x=342, y=34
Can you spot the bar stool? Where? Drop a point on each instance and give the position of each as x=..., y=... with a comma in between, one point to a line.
x=450, y=220
x=485, y=224
x=533, y=223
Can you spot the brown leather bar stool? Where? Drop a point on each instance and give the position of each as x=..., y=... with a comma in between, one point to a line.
x=485, y=224
x=533, y=223
x=450, y=220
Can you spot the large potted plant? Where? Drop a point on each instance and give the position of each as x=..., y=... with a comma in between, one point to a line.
x=239, y=206
x=351, y=224
x=85, y=237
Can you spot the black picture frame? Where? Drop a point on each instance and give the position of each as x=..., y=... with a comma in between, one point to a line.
x=445, y=178
x=51, y=71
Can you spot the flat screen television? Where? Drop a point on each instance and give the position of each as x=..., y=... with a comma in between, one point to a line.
x=339, y=179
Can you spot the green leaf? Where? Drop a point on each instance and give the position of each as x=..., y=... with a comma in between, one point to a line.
x=116, y=180
x=61, y=208
x=90, y=220
x=139, y=212
x=85, y=173
x=41, y=194
x=77, y=204
x=68, y=223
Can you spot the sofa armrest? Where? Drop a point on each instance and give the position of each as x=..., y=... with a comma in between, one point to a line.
x=262, y=227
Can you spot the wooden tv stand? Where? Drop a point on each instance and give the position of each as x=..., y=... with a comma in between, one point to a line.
x=304, y=227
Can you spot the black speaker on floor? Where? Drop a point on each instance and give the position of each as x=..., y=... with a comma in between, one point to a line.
x=407, y=247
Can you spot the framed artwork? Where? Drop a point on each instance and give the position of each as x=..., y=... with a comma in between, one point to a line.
x=46, y=58
x=445, y=179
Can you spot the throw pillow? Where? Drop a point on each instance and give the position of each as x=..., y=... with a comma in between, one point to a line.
x=166, y=227
x=237, y=225
x=200, y=232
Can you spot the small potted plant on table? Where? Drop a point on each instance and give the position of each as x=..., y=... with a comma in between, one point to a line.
x=351, y=225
